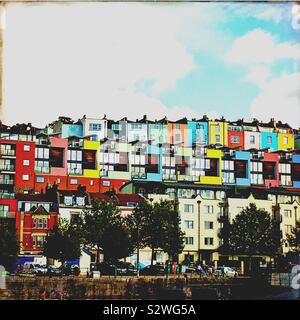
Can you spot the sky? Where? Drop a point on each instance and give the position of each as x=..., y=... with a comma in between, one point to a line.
x=237, y=60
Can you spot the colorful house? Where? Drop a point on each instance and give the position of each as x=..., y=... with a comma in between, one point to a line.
x=268, y=135
x=235, y=135
x=286, y=139
x=198, y=131
x=217, y=132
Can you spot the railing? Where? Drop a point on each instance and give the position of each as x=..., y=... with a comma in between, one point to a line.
x=7, y=167
x=7, y=195
x=7, y=152
x=42, y=169
x=6, y=181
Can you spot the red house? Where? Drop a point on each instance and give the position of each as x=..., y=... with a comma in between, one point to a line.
x=37, y=215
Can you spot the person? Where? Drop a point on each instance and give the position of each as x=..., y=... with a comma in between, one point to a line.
x=43, y=295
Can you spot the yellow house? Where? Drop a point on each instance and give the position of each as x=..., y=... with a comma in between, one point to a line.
x=286, y=141
x=92, y=145
x=216, y=157
x=218, y=132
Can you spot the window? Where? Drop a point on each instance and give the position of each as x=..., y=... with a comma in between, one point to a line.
x=42, y=153
x=38, y=241
x=177, y=137
x=34, y=223
x=91, y=182
x=208, y=209
x=80, y=201
x=40, y=223
x=25, y=177
x=285, y=140
x=68, y=200
x=218, y=139
x=106, y=183
x=40, y=179
x=235, y=139
x=288, y=213
x=252, y=139
x=208, y=225
x=26, y=147
x=269, y=140
x=189, y=224
x=3, y=210
x=58, y=180
x=209, y=241
x=26, y=163
x=188, y=208
x=45, y=223
x=73, y=181
x=288, y=229
x=217, y=128
x=189, y=240
x=95, y=127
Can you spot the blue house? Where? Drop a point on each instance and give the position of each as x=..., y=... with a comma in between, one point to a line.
x=198, y=131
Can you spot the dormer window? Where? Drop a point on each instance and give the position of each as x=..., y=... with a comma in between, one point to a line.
x=68, y=200
x=80, y=201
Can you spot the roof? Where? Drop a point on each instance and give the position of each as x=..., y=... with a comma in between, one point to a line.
x=124, y=199
x=34, y=197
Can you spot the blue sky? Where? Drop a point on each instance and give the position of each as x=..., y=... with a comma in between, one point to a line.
x=180, y=59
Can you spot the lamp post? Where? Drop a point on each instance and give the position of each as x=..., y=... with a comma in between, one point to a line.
x=199, y=227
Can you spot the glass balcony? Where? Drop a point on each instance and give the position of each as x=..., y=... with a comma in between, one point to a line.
x=7, y=167
x=7, y=195
x=8, y=152
x=42, y=169
x=6, y=181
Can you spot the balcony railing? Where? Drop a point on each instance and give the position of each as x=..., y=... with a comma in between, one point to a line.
x=7, y=152
x=42, y=169
x=7, y=167
x=7, y=195
x=6, y=181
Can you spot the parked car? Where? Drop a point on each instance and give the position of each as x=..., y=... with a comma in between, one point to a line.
x=34, y=268
x=54, y=271
x=155, y=270
x=131, y=270
x=226, y=271
x=70, y=269
x=188, y=270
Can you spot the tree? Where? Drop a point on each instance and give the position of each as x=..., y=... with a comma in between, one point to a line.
x=116, y=243
x=158, y=227
x=253, y=232
x=137, y=227
x=294, y=238
x=63, y=242
x=9, y=246
x=173, y=236
x=104, y=229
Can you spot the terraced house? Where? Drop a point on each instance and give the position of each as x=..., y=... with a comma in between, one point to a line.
x=212, y=167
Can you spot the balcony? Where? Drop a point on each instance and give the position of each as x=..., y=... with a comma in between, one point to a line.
x=8, y=152
x=7, y=181
x=7, y=195
x=42, y=169
x=7, y=167
x=7, y=214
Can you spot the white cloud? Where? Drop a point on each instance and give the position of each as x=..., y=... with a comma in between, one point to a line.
x=260, y=47
x=279, y=99
x=74, y=59
x=258, y=75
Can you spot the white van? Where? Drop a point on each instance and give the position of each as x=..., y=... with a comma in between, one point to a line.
x=34, y=268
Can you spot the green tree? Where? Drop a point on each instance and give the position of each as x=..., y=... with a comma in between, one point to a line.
x=253, y=232
x=9, y=246
x=173, y=243
x=63, y=242
x=294, y=238
x=104, y=229
x=158, y=226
